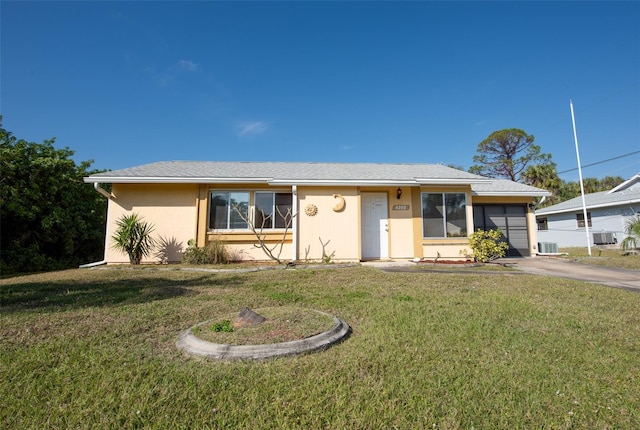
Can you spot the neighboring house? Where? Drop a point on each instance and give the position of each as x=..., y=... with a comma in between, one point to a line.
x=607, y=216
x=359, y=211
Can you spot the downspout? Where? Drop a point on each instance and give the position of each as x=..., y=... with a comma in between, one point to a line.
x=89, y=265
x=103, y=192
x=294, y=231
x=108, y=195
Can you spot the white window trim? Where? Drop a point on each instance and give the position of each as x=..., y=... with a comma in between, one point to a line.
x=444, y=215
x=251, y=209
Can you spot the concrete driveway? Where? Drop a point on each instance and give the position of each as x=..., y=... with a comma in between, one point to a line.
x=551, y=266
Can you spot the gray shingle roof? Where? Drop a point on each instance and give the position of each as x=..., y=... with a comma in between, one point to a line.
x=629, y=192
x=506, y=187
x=284, y=171
x=300, y=173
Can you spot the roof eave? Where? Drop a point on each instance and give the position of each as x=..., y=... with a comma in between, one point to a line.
x=578, y=208
x=510, y=193
x=438, y=181
x=342, y=182
x=171, y=180
x=272, y=181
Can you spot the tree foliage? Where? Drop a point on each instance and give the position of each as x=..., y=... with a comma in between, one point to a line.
x=50, y=218
x=499, y=156
x=507, y=154
x=545, y=176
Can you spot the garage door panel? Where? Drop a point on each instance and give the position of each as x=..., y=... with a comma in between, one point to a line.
x=511, y=219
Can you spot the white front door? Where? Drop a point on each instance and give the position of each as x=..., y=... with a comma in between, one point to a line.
x=375, y=226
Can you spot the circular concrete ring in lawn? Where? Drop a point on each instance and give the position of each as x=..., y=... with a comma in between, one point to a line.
x=191, y=344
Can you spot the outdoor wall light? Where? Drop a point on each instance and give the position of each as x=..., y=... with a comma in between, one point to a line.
x=399, y=193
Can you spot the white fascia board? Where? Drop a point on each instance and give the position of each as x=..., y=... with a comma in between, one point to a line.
x=439, y=181
x=271, y=181
x=340, y=182
x=374, y=182
x=579, y=208
x=172, y=180
x=510, y=193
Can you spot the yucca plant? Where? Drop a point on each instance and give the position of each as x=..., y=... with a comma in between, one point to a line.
x=632, y=230
x=133, y=237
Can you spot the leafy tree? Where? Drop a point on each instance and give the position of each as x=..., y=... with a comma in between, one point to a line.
x=609, y=182
x=133, y=237
x=544, y=176
x=50, y=218
x=506, y=154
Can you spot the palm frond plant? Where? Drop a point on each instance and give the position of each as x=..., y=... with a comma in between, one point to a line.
x=133, y=237
x=632, y=229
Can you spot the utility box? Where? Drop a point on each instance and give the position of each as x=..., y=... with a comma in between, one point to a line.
x=604, y=239
x=548, y=248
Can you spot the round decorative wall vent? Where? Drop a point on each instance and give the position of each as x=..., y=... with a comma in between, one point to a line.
x=311, y=210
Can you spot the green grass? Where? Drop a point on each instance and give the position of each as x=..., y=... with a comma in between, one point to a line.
x=603, y=257
x=96, y=349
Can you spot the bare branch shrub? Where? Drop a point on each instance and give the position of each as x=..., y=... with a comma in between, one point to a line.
x=272, y=251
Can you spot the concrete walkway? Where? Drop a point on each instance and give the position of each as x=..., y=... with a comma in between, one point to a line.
x=560, y=267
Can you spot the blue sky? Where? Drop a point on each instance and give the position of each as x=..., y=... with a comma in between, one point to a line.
x=129, y=83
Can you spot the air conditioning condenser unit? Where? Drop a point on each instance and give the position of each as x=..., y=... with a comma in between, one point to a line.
x=548, y=248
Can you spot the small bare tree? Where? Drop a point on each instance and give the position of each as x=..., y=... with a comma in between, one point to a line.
x=272, y=251
x=326, y=258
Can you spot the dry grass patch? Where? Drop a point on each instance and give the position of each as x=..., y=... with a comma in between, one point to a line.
x=603, y=257
x=283, y=324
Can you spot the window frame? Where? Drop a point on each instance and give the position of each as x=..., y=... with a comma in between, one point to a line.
x=543, y=224
x=250, y=214
x=445, y=212
x=229, y=210
x=580, y=219
x=278, y=222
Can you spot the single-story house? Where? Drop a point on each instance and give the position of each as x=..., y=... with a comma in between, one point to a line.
x=352, y=211
x=607, y=215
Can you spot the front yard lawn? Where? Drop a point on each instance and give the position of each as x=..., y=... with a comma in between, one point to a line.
x=96, y=349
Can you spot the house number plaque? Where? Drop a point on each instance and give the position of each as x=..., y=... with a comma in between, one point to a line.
x=400, y=207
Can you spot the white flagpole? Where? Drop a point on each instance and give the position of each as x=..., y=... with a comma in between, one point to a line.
x=584, y=203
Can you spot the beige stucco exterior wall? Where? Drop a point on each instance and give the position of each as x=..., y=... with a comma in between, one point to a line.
x=170, y=207
x=340, y=229
x=242, y=246
x=180, y=213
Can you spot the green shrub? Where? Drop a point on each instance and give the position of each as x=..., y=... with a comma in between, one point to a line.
x=222, y=327
x=215, y=252
x=632, y=228
x=488, y=245
x=133, y=237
